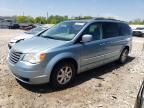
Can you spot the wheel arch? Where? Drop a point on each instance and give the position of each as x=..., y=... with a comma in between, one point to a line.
x=125, y=47
x=60, y=58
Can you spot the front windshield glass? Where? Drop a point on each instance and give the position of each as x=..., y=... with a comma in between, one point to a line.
x=64, y=31
x=35, y=30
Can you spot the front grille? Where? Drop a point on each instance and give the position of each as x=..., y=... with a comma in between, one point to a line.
x=14, y=56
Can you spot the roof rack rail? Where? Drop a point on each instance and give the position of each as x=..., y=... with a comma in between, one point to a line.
x=102, y=18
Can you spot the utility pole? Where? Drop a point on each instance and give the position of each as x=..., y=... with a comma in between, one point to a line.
x=47, y=15
x=23, y=13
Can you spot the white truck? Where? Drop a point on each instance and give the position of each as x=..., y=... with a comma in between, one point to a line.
x=138, y=30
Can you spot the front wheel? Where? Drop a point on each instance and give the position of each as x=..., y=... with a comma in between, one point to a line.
x=62, y=75
x=124, y=56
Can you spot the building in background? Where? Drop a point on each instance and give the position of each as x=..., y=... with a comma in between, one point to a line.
x=6, y=22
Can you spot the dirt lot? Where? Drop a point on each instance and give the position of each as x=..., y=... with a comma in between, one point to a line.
x=110, y=86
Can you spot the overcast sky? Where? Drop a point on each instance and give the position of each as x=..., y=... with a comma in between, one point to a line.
x=121, y=9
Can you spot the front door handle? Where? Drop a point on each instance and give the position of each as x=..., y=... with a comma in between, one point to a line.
x=102, y=44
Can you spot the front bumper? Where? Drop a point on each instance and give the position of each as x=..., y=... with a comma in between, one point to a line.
x=30, y=74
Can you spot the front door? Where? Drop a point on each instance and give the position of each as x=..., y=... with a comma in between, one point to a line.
x=92, y=53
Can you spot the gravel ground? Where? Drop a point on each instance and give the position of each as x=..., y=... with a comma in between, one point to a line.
x=110, y=86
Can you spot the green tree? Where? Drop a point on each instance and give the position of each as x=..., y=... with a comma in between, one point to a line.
x=41, y=20
x=56, y=19
x=30, y=20
x=21, y=19
x=137, y=21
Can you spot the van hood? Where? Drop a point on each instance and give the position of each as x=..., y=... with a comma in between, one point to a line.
x=37, y=44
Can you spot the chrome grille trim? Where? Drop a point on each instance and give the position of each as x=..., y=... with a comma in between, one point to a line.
x=14, y=56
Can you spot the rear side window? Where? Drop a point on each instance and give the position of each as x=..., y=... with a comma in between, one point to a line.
x=110, y=30
x=124, y=29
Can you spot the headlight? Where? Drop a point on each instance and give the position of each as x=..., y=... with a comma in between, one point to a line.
x=12, y=43
x=34, y=58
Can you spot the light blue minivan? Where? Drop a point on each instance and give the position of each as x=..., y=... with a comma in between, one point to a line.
x=69, y=48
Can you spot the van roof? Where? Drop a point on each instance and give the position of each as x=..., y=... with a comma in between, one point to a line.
x=100, y=19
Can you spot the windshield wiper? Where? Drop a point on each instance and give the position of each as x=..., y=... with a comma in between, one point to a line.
x=48, y=37
x=54, y=38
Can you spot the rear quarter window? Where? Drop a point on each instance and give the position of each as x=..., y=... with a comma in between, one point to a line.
x=125, y=30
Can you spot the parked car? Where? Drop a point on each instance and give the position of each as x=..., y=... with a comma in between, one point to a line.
x=140, y=97
x=139, y=31
x=25, y=26
x=14, y=26
x=69, y=48
x=28, y=34
x=29, y=27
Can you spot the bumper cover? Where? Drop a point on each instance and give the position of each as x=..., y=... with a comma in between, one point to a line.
x=28, y=74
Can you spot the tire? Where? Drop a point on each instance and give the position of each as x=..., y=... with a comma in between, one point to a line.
x=124, y=56
x=62, y=75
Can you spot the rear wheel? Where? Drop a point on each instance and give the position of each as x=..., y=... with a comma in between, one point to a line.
x=124, y=56
x=62, y=75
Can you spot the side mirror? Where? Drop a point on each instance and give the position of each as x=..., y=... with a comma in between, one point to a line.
x=86, y=38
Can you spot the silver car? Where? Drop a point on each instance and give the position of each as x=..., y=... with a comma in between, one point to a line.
x=69, y=48
x=139, y=31
x=29, y=34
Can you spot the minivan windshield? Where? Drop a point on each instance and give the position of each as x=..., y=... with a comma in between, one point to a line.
x=64, y=31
